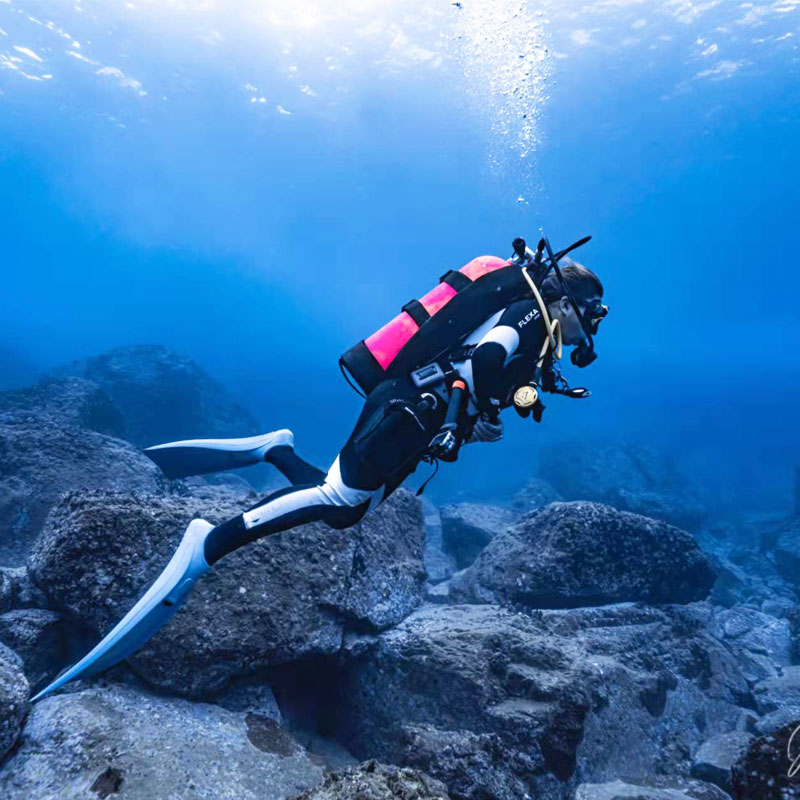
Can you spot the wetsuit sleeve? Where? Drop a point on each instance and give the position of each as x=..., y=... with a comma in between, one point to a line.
x=514, y=331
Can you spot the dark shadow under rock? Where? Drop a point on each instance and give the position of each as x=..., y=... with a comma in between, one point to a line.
x=45, y=641
x=468, y=527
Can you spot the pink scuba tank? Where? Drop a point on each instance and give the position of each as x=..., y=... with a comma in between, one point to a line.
x=438, y=320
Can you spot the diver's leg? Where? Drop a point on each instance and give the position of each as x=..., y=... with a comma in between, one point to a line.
x=293, y=468
x=331, y=501
x=383, y=446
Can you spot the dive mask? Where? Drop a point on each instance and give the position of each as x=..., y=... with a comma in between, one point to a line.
x=590, y=320
x=593, y=316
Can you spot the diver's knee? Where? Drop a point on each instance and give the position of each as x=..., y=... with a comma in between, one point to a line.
x=342, y=517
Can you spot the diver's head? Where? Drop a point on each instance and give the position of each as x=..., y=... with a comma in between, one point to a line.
x=587, y=291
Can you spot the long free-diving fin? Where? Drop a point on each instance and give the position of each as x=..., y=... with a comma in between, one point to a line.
x=150, y=614
x=200, y=456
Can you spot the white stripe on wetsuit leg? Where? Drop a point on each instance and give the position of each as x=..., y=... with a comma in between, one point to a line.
x=333, y=492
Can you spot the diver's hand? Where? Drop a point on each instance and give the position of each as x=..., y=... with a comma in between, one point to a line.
x=486, y=429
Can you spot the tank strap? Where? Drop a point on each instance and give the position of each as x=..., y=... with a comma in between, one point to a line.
x=417, y=312
x=456, y=279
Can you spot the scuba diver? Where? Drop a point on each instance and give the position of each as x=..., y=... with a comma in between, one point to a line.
x=436, y=378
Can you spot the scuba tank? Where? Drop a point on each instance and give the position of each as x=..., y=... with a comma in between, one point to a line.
x=429, y=328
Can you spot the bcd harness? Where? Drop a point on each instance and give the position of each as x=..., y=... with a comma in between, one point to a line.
x=422, y=341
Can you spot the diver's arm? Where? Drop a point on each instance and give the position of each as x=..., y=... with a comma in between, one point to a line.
x=488, y=361
x=518, y=332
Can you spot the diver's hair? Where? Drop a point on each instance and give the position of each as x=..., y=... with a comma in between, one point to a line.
x=580, y=280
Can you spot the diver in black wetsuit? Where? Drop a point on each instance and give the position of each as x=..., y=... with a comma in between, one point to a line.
x=401, y=424
x=399, y=421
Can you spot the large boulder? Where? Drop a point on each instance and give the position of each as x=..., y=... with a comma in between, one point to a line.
x=761, y=642
x=716, y=757
x=503, y=705
x=580, y=554
x=14, y=692
x=769, y=768
x=628, y=476
x=779, y=692
x=282, y=598
x=43, y=455
x=128, y=744
x=374, y=781
x=164, y=396
x=468, y=527
x=74, y=402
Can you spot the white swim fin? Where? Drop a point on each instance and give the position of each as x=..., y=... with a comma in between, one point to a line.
x=200, y=456
x=150, y=614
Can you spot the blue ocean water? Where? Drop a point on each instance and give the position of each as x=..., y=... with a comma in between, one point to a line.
x=259, y=186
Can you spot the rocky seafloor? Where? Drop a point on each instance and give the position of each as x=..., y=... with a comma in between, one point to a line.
x=608, y=633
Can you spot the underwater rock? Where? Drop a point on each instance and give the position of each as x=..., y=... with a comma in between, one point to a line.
x=6, y=591
x=787, y=552
x=438, y=564
x=770, y=723
x=630, y=477
x=763, y=772
x=475, y=696
x=281, y=598
x=164, y=396
x=761, y=643
x=535, y=494
x=715, y=759
x=580, y=554
x=468, y=527
x=651, y=790
x=40, y=458
x=44, y=640
x=17, y=590
x=374, y=781
x=780, y=692
x=129, y=744
x=501, y=704
x=14, y=692
x=72, y=402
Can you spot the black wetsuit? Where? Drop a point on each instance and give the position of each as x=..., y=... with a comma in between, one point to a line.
x=392, y=435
